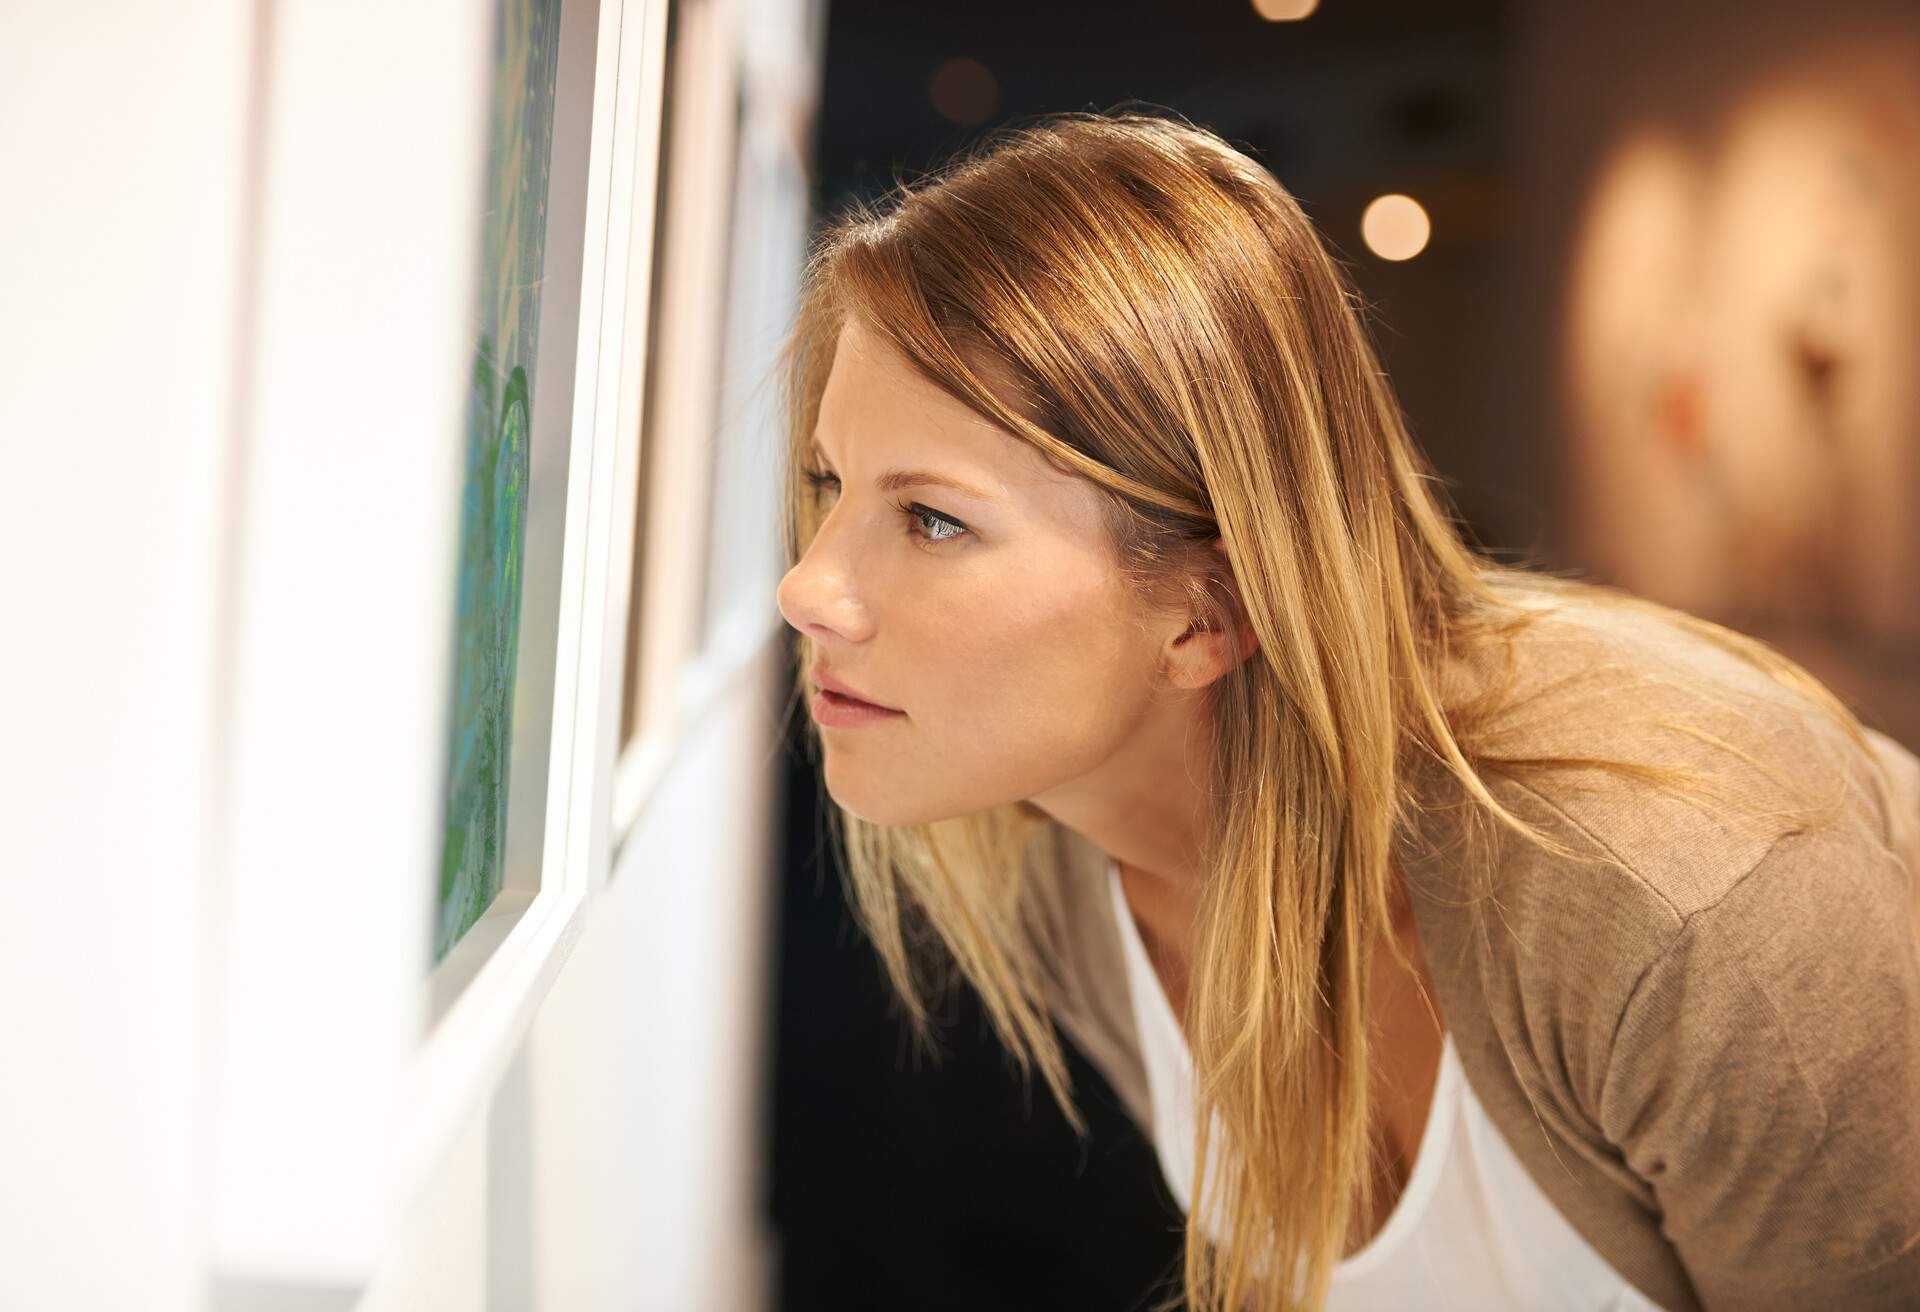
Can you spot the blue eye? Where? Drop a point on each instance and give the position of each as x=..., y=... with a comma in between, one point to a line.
x=932, y=521
x=936, y=526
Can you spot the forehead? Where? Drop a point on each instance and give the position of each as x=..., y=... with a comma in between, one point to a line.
x=878, y=406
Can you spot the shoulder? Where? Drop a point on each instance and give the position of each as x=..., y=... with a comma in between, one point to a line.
x=1799, y=830
x=1728, y=1007
x=1642, y=690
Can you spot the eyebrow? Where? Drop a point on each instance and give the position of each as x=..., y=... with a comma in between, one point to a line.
x=898, y=480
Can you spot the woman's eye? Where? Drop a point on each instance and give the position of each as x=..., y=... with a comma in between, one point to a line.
x=935, y=526
x=938, y=527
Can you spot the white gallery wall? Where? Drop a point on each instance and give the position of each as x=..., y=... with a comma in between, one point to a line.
x=121, y=268
x=240, y=311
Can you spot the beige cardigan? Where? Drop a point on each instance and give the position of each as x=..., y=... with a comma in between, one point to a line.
x=1710, y=1060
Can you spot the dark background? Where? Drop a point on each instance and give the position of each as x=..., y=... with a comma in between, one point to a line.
x=951, y=1186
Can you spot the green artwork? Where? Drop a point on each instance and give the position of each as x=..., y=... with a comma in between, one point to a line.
x=494, y=503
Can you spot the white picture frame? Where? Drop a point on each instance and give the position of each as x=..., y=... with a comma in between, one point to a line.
x=344, y=1066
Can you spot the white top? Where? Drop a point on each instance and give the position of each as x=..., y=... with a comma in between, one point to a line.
x=1471, y=1229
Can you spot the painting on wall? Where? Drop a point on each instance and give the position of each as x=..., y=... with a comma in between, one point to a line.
x=495, y=497
x=769, y=244
x=1744, y=310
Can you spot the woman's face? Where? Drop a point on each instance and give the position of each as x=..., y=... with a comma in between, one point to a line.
x=995, y=619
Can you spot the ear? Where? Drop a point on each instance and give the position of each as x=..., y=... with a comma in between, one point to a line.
x=1203, y=651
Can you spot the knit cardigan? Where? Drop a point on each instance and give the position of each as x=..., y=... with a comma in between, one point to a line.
x=1708, y=1055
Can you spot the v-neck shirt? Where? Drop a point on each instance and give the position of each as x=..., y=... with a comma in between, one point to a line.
x=1470, y=1229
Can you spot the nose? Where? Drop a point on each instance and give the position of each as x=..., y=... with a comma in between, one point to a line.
x=817, y=596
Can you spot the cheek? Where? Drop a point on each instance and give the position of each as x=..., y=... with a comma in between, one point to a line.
x=1031, y=684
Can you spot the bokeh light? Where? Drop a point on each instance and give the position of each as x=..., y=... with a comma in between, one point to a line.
x=1395, y=227
x=1285, y=11
x=964, y=91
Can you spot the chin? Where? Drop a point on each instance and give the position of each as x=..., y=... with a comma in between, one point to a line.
x=877, y=807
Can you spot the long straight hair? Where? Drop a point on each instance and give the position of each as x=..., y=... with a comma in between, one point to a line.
x=1151, y=310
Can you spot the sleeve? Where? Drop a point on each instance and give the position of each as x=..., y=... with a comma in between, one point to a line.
x=1764, y=1079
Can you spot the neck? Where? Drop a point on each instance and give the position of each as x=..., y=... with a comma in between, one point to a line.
x=1148, y=804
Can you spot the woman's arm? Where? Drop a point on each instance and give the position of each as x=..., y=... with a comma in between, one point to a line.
x=1764, y=1079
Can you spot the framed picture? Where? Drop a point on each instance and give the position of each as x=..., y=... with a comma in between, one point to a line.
x=496, y=495
x=446, y=301
x=704, y=489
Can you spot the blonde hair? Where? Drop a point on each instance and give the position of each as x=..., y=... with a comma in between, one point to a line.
x=1151, y=310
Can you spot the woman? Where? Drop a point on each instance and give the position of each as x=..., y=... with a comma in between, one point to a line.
x=1463, y=936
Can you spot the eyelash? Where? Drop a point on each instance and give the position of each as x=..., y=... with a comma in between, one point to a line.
x=913, y=510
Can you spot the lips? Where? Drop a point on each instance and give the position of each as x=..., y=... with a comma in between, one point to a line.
x=833, y=685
